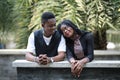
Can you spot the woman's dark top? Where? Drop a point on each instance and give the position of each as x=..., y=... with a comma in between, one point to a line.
x=86, y=40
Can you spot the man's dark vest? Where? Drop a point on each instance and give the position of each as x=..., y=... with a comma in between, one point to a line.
x=42, y=48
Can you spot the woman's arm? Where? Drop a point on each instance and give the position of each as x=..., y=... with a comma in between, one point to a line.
x=90, y=46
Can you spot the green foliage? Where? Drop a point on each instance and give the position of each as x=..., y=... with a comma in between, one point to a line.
x=114, y=12
x=92, y=15
x=5, y=20
x=22, y=16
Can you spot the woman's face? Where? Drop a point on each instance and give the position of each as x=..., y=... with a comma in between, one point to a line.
x=67, y=31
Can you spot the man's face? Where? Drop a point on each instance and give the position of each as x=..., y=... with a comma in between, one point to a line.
x=49, y=27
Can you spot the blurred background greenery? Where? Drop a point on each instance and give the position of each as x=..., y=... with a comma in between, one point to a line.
x=18, y=18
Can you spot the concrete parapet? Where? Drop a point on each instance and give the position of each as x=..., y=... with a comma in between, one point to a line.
x=95, y=70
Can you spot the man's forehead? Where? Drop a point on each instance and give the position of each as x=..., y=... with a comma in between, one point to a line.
x=52, y=19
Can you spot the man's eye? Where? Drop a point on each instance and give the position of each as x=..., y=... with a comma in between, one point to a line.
x=54, y=24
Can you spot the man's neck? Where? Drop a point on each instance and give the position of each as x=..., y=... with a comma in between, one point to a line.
x=46, y=35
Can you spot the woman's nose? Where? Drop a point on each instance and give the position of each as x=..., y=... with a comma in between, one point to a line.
x=65, y=31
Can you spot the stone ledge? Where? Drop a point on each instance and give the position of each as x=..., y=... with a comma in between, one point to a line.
x=66, y=64
x=23, y=51
x=13, y=51
x=106, y=52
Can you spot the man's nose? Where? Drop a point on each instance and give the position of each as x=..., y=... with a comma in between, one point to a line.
x=53, y=28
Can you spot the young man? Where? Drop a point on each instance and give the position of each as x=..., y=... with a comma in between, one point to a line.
x=46, y=45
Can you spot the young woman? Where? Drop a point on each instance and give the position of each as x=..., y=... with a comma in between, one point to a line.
x=79, y=45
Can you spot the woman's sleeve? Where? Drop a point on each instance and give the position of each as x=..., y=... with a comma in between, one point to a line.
x=90, y=46
x=69, y=54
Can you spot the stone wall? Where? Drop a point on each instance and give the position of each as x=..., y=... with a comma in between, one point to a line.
x=65, y=74
x=95, y=70
x=7, y=56
x=7, y=72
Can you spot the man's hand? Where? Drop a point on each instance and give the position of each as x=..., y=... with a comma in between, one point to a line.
x=43, y=59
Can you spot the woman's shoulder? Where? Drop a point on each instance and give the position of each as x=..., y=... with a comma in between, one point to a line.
x=86, y=33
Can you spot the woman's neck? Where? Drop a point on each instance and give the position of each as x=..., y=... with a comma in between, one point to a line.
x=75, y=36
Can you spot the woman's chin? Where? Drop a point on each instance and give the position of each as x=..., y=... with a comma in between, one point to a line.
x=67, y=36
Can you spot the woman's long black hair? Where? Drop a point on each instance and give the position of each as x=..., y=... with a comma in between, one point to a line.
x=68, y=23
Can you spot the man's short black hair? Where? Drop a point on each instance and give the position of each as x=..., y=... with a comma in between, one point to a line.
x=47, y=15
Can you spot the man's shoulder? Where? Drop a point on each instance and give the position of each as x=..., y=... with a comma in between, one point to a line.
x=36, y=32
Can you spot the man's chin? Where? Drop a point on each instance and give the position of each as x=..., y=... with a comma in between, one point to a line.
x=52, y=33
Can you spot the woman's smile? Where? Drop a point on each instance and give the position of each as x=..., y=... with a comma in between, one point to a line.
x=67, y=31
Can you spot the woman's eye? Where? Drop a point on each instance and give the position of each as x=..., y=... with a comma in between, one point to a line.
x=65, y=28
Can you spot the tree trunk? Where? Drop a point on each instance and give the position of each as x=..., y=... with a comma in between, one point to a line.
x=100, y=40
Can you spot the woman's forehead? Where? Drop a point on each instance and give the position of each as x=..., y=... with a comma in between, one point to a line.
x=64, y=25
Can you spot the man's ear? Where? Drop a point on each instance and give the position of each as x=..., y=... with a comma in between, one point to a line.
x=42, y=24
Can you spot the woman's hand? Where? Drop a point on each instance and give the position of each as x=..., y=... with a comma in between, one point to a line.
x=73, y=63
x=77, y=67
x=80, y=64
x=73, y=67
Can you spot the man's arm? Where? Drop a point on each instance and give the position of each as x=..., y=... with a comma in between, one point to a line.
x=59, y=57
x=30, y=57
x=31, y=49
x=61, y=51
